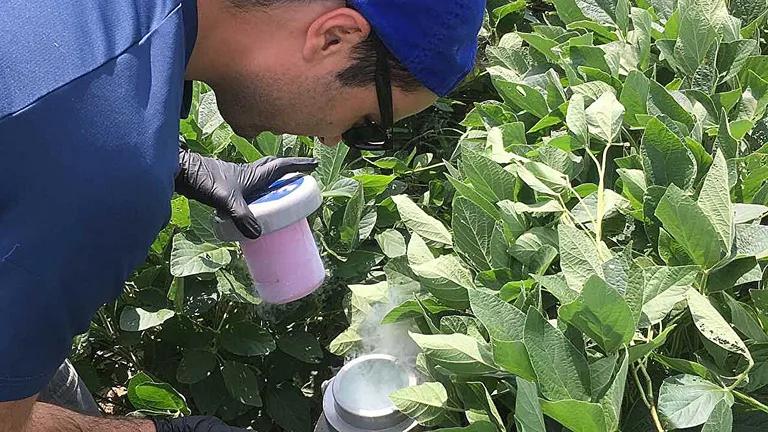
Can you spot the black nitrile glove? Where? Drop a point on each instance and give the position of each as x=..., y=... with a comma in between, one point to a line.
x=193, y=424
x=226, y=186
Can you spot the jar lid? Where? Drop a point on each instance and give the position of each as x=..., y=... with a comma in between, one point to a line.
x=287, y=201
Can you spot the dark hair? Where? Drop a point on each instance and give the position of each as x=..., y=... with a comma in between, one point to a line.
x=362, y=71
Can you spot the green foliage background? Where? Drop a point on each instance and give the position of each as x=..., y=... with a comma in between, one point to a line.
x=580, y=233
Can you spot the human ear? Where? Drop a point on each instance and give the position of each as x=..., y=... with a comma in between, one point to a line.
x=333, y=33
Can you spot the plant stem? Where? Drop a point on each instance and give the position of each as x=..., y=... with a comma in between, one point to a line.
x=648, y=382
x=751, y=402
x=655, y=417
x=224, y=317
x=648, y=402
x=601, y=198
x=640, y=388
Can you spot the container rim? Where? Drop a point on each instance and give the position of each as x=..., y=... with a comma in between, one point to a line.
x=339, y=378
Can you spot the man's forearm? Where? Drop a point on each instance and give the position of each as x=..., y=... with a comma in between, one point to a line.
x=50, y=418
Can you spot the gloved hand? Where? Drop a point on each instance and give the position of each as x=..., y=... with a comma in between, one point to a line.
x=193, y=424
x=226, y=186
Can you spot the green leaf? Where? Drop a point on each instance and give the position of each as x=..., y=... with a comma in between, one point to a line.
x=685, y=366
x=447, y=279
x=367, y=223
x=425, y=403
x=345, y=342
x=664, y=287
x=180, y=212
x=227, y=284
x=135, y=319
x=737, y=272
x=745, y=320
x=700, y=23
x=528, y=415
x=576, y=415
x=746, y=213
x=349, y=231
x=208, y=117
x=410, y=309
x=594, y=57
x=246, y=149
x=520, y=95
x=586, y=210
x=561, y=369
x=302, y=346
x=270, y=144
x=663, y=102
x=576, y=119
x=604, y=117
x=614, y=397
x=418, y=251
x=246, y=338
x=643, y=26
x=344, y=187
x=568, y=11
x=687, y=401
x=201, y=220
x=502, y=320
x=490, y=114
x=512, y=357
x=469, y=192
x=543, y=45
x=505, y=324
x=374, y=184
x=688, y=224
x=713, y=326
x=289, y=408
x=478, y=426
x=721, y=418
x=633, y=188
x=602, y=314
x=590, y=91
x=392, y=243
x=188, y=259
x=145, y=394
x=732, y=56
x=634, y=97
x=195, y=366
x=715, y=201
x=478, y=402
x=421, y=223
x=751, y=240
x=666, y=159
x=460, y=354
x=242, y=384
x=579, y=256
x=331, y=162
x=474, y=240
x=489, y=179
x=604, y=12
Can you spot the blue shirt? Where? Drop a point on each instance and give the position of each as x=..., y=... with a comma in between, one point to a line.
x=89, y=123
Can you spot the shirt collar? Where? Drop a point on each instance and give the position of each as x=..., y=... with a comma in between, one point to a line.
x=189, y=13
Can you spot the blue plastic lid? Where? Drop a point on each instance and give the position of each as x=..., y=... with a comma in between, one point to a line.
x=287, y=201
x=280, y=189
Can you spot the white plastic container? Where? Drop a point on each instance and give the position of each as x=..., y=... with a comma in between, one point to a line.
x=284, y=262
x=357, y=398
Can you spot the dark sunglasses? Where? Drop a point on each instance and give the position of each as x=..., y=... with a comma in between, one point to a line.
x=373, y=136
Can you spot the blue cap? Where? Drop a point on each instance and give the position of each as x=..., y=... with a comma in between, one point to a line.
x=436, y=40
